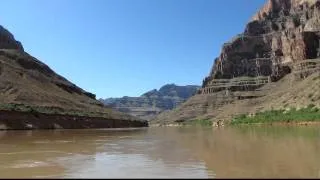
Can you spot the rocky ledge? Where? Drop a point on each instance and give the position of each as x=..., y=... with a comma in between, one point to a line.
x=15, y=120
x=281, y=33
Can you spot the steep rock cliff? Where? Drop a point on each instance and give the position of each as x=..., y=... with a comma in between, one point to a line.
x=280, y=35
x=282, y=32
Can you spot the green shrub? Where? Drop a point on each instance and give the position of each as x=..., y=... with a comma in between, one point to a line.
x=48, y=110
x=199, y=122
x=310, y=113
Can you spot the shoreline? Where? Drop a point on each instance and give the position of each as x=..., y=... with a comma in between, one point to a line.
x=295, y=123
x=292, y=123
x=17, y=120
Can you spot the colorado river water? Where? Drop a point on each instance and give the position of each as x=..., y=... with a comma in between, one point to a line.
x=166, y=152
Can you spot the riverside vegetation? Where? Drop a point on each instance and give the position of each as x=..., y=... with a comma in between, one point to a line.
x=290, y=115
x=311, y=113
x=50, y=110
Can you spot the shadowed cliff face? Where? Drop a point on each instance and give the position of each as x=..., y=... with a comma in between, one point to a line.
x=27, y=82
x=282, y=32
x=7, y=40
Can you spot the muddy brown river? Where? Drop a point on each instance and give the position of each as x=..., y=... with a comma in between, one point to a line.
x=166, y=152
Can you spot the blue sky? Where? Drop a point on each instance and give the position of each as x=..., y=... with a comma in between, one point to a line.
x=116, y=48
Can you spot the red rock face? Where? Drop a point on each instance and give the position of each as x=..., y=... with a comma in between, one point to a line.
x=264, y=11
x=282, y=32
x=273, y=6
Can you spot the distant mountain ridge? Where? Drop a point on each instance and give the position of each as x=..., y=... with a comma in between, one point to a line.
x=152, y=102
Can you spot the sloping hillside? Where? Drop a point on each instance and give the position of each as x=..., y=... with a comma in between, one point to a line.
x=27, y=84
x=285, y=93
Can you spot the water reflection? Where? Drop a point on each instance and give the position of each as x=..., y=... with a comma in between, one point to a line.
x=259, y=152
x=37, y=153
x=94, y=154
x=172, y=152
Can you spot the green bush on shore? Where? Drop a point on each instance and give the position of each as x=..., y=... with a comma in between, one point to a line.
x=309, y=113
x=48, y=110
x=198, y=122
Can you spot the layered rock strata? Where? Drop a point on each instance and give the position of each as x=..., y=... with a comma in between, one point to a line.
x=282, y=38
x=281, y=33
